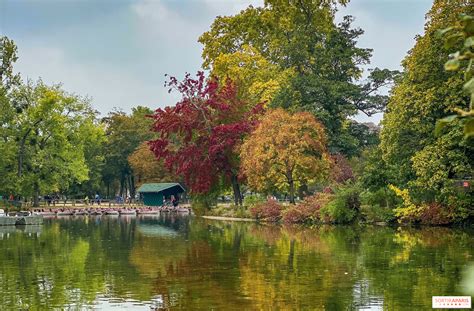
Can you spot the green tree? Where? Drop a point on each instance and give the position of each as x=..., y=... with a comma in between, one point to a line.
x=94, y=155
x=425, y=94
x=8, y=82
x=463, y=31
x=124, y=134
x=301, y=37
x=49, y=139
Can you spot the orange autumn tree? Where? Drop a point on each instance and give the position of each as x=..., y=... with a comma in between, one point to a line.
x=284, y=152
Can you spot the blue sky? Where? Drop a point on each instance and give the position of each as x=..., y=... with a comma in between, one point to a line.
x=117, y=52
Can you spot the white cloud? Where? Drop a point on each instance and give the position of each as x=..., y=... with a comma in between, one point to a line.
x=226, y=7
x=159, y=21
x=108, y=86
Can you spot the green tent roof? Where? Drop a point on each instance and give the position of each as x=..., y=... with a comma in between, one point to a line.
x=158, y=187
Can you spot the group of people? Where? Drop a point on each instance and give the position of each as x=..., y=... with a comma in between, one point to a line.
x=174, y=201
x=97, y=199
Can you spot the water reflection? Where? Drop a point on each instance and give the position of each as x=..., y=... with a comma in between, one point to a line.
x=190, y=263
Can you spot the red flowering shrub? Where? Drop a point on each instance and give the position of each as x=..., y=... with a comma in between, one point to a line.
x=268, y=211
x=307, y=210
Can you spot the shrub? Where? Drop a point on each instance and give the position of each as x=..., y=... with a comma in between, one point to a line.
x=436, y=214
x=407, y=211
x=202, y=203
x=376, y=213
x=328, y=190
x=295, y=214
x=270, y=211
x=308, y=210
x=337, y=212
x=382, y=197
x=433, y=213
x=343, y=207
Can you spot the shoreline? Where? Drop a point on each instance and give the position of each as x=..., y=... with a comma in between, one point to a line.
x=229, y=218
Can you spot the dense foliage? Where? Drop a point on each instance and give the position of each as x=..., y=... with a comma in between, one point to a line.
x=426, y=165
x=200, y=136
x=285, y=152
x=317, y=59
x=272, y=119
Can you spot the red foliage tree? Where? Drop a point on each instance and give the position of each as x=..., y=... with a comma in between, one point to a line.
x=199, y=137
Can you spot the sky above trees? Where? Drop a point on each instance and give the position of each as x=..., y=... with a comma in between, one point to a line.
x=117, y=52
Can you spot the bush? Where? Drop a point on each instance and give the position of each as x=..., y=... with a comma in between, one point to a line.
x=382, y=197
x=376, y=205
x=376, y=213
x=436, y=214
x=407, y=211
x=229, y=211
x=308, y=210
x=337, y=212
x=433, y=213
x=270, y=211
x=344, y=206
x=202, y=203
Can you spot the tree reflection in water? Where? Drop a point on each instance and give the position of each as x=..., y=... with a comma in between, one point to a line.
x=190, y=263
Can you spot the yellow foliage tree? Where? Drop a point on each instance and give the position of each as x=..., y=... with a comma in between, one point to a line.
x=284, y=152
x=258, y=79
x=146, y=168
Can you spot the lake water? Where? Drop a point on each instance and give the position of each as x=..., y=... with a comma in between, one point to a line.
x=195, y=264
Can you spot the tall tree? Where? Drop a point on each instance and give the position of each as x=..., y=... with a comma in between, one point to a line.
x=50, y=141
x=301, y=37
x=461, y=35
x=420, y=160
x=95, y=143
x=124, y=134
x=284, y=152
x=8, y=82
x=259, y=80
x=200, y=136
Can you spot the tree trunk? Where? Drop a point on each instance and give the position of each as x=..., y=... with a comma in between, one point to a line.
x=132, y=186
x=236, y=190
x=122, y=185
x=292, y=190
x=37, y=193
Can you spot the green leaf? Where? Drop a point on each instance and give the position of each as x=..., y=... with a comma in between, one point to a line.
x=469, y=26
x=469, y=86
x=452, y=40
x=452, y=64
x=469, y=42
x=469, y=128
x=466, y=17
x=441, y=32
x=441, y=124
